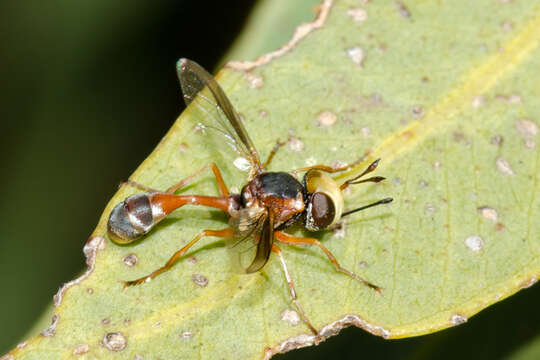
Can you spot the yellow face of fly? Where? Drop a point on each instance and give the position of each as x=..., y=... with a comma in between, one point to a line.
x=325, y=204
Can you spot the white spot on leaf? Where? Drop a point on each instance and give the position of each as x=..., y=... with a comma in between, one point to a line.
x=130, y=260
x=359, y=15
x=254, y=81
x=458, y=319
x=200, y=280
x=338, y=229
x=242, y=164
x=81, y=349
x=291, y=317
x=115, y=341
x=296, y=144
x=337, y=164
x=504, y=166
x=357, y=55
x=474, y=243
x=527, y=128
x=187, y=335
x=326, y=118
x=310, y=161
x=529, y=282
x=478, y=101
x=507, y=25
x=514, y=98
x=488, y=213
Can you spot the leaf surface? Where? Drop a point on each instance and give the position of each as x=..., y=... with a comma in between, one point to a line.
x=444, y=92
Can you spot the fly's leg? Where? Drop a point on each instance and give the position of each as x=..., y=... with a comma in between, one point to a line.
x=354, y=180
x=330, y=169
x=221, y=184
x=293, y=240
x=217, y=233
x=292, y=289
x=138, y=186
x=275, y=149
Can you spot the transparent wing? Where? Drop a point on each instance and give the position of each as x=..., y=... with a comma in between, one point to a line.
x=253, y=245
x=202, y=91
x=264, y=246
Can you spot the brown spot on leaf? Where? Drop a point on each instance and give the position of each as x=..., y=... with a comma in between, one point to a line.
x=403, y=10
x=497, y=140
x=418, y=112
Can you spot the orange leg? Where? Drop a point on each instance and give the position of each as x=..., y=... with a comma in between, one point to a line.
x=221, y=184
x=217, y=233
x=327, y=168
x=275, y=149
x=293, y=240
x=292, y=289
x=138, y=186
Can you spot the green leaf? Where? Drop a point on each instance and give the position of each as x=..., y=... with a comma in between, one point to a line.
x=444, y=92
x=531, y=350
x=270, y=25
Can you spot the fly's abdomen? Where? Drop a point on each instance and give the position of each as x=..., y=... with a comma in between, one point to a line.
x=131, y=219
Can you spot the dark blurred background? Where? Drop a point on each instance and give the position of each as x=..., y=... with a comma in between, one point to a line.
x=87, y=90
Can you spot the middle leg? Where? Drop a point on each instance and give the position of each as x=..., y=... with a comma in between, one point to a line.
x=275, y=149
x=293, y=240
x=292, y=289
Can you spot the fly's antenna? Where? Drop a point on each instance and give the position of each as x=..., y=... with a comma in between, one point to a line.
x=356, y=180
x=383, y=201
x=369, y=169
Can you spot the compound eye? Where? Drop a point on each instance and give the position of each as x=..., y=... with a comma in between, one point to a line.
x=323, y=210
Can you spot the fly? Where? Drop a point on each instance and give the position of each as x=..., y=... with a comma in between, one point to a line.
x=268, y=204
